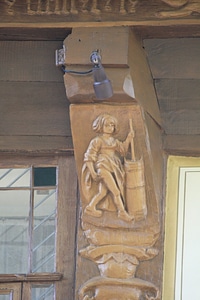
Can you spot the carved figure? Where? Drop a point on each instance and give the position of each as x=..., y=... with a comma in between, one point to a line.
x=10, y=4
x=181, y=8
x=69, y=6
x=114, y=198
x=122, y=8
x=64, y=10
x=105, y=167
x=57, y=8
x=93, y=9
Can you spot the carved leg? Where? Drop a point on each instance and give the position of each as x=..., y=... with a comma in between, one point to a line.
x=10, y=5
x=39, y=10
x=47, y=9
x=64, y=7
x=84, y=6
x=112, y=187
x=29, y=10
x=108, y=6
x=132, y=6
x=122, y=214
x=122, y=7
x=28, y=6
x=94, y=8
x=57, y=10
x=91, y=207
x=73, y=9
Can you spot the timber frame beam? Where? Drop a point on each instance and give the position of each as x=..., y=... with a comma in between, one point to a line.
x=167, y=17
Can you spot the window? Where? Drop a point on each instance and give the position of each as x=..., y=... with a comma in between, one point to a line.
x=181, y=261
x=35, y=204
x=27, y=220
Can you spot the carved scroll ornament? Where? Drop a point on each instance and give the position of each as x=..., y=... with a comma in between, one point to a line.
x=115, y=217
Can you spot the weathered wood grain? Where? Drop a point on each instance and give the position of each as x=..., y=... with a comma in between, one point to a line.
x=142, y=78
x=178, y=94
x=33, y=108
x=111, y=41
x=15, y=33
x=167, y=31
x=186, y=145
x=29, y=61
x=66, y=227
x=179, y=105
x=173, y=58
x=34, y=145
x=72, y=11
x=181, y=122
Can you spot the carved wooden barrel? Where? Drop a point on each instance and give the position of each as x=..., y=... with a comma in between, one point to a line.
x=135, y=189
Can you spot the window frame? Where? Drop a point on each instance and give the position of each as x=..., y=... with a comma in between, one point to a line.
x=174, y=164
x=67, y=199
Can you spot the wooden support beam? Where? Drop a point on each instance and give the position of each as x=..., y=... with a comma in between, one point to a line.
x=70, y=13
x=186, y=145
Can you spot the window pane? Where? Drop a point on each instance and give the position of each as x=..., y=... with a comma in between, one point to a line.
x=6, y=296
x=42, y=292
x=45, y=176
x=14, y=177
x=44, y=231
x=14, y=222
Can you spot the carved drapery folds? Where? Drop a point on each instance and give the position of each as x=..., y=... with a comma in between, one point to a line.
x=119, y=207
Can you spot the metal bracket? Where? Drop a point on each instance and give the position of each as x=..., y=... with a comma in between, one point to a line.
x=60, y=57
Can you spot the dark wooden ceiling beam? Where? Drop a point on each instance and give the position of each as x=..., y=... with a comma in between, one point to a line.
x=186, y=145
x=34, y=33
x=167, y=31
x=57, y=33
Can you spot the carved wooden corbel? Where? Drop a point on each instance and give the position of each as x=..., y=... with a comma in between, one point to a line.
x=120, y=214
x=119, y=207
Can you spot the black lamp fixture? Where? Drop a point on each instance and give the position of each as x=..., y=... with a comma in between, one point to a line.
x=102, y=85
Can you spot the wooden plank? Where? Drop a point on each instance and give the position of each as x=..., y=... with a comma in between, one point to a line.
x=112, y=43
x=167, y=31
x=176, y=94
x=30, y=145
x=41, y=277
x=66, y=228
x=181, y=122
x=173, y=58
x=19, y=160
x=155, y=140
x=34, y=108
x=72, y=11
x=141, y=77
x=186, y=145
x=33, y=34
x=29, y=61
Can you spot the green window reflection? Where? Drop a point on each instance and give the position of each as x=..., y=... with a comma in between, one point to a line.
x=45, y=176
